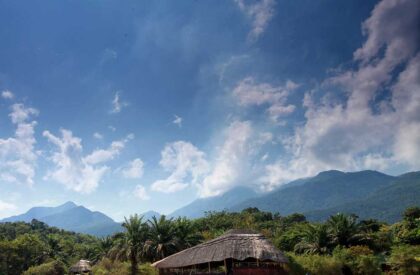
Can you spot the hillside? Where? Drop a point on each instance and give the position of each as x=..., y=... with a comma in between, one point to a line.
x=326, y=190
x=39, y=212
x=71, y=217
x=386, y=204
x=218, y=203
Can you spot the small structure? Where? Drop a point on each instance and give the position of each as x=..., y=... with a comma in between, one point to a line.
x=81, y=267
x=238, y=252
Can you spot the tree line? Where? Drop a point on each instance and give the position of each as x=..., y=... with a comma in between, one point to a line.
x=341, y=245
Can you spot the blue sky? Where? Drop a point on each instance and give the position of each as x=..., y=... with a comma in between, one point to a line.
x=137, y=105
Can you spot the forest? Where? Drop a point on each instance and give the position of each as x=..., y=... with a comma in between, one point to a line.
x=343, y=244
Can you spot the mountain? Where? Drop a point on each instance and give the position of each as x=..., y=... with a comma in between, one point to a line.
x=150, y=214
x=40, y=212
x=225, y=201
x=326, y=190
x=386, y=204
x=71, y=217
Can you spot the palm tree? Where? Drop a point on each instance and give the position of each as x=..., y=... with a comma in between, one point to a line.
x=344, y=229
x=186, y=234
x=134, y=239
x=162, y=238
x=315, y=240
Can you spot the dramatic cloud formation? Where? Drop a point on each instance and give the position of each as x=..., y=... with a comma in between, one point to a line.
x=17, y=154
x=375, y=122
x=250, y=93
x=260, y=14
x=186, y=164
x=74, y=170
x=134, y=170
x=230, y=163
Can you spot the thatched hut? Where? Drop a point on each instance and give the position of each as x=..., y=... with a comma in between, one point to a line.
x=81, y=267
x=237, y=252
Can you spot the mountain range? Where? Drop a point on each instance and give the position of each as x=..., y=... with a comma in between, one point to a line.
x=225, y=201
x=368, y=194
x=72, y=217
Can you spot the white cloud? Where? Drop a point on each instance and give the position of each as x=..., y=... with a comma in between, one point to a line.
x=17, y=154
x=6, y=209
x=260, y=13
x=117, y=104
x=4, y=206
x=184, y=161
x=250, y=93
x=76, y=171
x=134, y=170
x=366, y=129
x=141, y=193
x=230, y=162
x=104, y=155
x=6, y=94
x=98, y=135
x=177, y=121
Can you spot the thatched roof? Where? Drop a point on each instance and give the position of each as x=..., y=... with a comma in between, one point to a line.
x=235, y=244
x=81, y=266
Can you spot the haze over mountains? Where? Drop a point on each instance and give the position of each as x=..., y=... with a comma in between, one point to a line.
x=368, y=194
x=72, y=217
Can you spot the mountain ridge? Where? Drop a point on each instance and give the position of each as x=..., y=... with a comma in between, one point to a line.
x=72, y=217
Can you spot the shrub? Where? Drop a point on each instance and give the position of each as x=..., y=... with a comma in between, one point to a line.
x=405, y=259
x=358, y=259
x=318, y=265
x=51, y=268
x=106, y=266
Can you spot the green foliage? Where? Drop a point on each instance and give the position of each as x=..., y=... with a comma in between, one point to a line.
x=405, y=259
x=51, y=268
x=358, y=259
x=341, y=245
x=315, y=240
x=109, y=267
x=25, y=245
x=135, y=237
x=317, y=265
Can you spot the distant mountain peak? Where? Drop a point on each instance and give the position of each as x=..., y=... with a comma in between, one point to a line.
x=69, y=204
x=330, y=173
x=70, y=216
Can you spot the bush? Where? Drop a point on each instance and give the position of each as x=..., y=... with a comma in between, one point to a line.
x=317, y=265
x=358, y=259
x=106, y=266
x=405, y=259
x=51, y=268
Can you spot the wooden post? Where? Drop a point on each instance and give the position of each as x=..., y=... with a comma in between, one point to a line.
x=224, y=261
x=258, y=262
x=209, y=268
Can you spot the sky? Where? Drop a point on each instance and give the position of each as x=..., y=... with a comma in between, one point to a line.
x=130, y=106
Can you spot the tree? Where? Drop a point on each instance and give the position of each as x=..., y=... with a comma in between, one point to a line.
x=343, y=229
x=162, y=239
x=315, y=240
x=134, y=239
x=186, y=234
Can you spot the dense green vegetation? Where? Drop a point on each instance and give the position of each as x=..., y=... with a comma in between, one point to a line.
x=343, y=244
